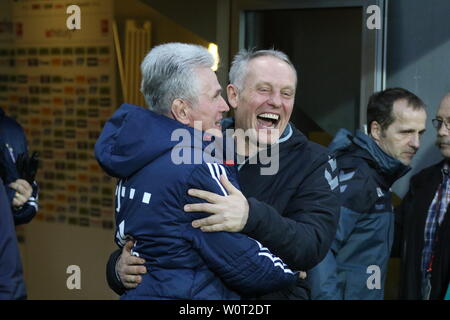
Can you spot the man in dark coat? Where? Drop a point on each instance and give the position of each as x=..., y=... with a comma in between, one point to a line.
x=292, y=210
x=17, y=173
x=423, y=224
x=12, y=285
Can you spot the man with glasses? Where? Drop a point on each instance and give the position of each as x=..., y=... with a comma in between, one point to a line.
x=423, y=224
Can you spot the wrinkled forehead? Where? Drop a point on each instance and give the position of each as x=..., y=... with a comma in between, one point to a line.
x=407, y=117
x=206, y=80
x=444, y=108
x=270, y=69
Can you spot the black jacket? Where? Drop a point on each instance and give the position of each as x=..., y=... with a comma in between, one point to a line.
x=12, y=285
x=294, y=212
x=409, y=237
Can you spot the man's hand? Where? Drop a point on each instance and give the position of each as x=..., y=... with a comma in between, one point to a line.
x=229, y=213
x=129, y=267
x=23, y=192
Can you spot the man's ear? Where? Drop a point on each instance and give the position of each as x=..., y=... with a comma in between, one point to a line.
x=180, y=111
x=233, y=95
x=376, y=131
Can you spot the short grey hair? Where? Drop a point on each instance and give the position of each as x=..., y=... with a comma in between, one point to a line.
x=238, y=70
x=168, y=74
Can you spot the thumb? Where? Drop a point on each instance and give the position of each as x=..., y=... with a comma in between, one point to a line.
x=128, y=245
x=227, y=184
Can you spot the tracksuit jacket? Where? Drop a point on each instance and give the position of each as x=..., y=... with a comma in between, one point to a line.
x=143, y=150
x=293, y=212
x=355, y=267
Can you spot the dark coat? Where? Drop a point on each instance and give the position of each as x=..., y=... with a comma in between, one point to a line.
x=137, y=146
x=13, y=144
x=12, y=285
x=295, y=211
x=409, y=235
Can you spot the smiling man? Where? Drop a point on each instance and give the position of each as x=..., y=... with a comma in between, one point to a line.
x=135, y=146
x=262, y=91
x=356, y=266
x=293, y=212
x=423, y=223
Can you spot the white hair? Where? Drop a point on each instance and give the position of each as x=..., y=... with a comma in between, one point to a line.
x=238, y=70
x=168, y=74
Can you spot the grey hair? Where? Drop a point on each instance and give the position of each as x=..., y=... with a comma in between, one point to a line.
x=168, y=74
x=238, y=70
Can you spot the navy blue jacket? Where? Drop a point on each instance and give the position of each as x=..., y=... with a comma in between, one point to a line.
x=11, y=280
x=186, y=263
x=294, y=211
x=12, y=144
x=355, y=267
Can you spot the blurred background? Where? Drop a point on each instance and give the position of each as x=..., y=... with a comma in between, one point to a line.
x=61, y=85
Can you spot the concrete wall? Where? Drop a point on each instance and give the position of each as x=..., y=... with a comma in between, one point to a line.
x=418, y=59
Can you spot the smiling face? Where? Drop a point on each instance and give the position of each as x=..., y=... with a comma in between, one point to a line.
x=210, y=104
x=443, y=134
x=266, y=100
x=401, y=139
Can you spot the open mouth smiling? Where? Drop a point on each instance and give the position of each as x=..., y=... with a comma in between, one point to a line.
x=268, y=120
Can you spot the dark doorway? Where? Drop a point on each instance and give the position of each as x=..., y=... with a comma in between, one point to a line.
x=325, y=46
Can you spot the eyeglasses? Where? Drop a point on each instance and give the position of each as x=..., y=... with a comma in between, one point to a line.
x=437, y=123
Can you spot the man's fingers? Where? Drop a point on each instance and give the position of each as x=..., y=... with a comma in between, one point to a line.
x=205, y=195
x=15, y=186
x=209, y=221
x=21, y=186
x=130, y=281
x=132, y=260
x=129, y=286
x=202, y=207
x=128, y=246
x=227, y=184
x=135, y=270
x=26, y=187
x=19, y=200
x=214, y=228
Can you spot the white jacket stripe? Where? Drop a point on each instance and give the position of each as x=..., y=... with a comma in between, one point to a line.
x=213, y=175
x=277, y=262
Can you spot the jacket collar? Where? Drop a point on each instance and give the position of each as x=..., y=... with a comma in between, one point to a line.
x=391, y=168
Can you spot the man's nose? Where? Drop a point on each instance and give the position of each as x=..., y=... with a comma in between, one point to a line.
x=223, y=106
x=415, y=141
x=443, y=131
x=275, y=100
